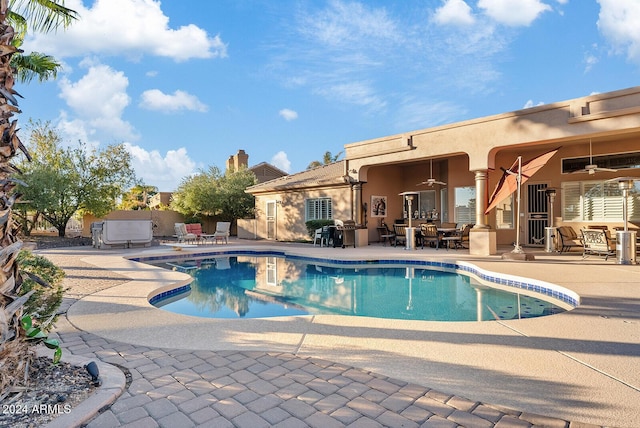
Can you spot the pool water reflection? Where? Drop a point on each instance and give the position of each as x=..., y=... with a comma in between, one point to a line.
x=256, y=286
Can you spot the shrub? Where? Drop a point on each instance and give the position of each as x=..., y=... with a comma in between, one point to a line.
x=41, y=275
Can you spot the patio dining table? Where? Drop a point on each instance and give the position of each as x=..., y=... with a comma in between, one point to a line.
x=445, y=232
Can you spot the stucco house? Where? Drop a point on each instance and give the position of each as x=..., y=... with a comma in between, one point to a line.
x=466, y=161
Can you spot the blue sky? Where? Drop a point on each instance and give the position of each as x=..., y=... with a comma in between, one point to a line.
x=185, y=84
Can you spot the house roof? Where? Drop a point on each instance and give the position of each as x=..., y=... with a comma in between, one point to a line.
x=324, y=175
x=266, y=169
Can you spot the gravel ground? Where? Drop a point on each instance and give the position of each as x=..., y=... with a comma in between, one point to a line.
x=52, y=390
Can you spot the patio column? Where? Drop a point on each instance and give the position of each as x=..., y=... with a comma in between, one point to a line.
x=481, y=198
x=357, y=203
x=482, y=239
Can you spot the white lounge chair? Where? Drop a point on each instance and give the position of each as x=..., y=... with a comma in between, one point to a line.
x=222, y=232
x=183, y=235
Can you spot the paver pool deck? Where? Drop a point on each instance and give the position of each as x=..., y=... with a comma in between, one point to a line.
x=577, y=368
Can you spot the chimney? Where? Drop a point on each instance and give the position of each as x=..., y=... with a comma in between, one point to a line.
x=235, y=162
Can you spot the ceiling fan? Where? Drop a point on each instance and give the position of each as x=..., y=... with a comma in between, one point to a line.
x=431, y=181
x=592, y=168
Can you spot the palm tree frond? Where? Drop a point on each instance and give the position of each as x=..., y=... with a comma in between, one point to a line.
x=35, y=64
x=44, y=15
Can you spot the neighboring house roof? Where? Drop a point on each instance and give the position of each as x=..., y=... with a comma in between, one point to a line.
x=324, y=175
x=265, y=171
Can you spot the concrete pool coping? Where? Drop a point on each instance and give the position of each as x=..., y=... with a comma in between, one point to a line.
x=581, y=365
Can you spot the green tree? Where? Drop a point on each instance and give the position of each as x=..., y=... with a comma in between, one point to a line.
x=211, y=193
x=326, y=160
x=137, y=198
x=63, y=180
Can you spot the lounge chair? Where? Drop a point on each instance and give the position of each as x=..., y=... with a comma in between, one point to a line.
x=183, y=235
x=568, y=238
x=222, y=232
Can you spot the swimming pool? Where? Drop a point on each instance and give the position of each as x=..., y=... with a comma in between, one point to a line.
x=268, y=284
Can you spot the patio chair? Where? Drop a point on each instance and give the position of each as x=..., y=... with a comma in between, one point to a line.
x=568, y=238
x=429, y=232
x=384, y=234
x=183, y=235
x=597, y=242
x=459, y=237
x=321, y=235
x=400, y=232
x=222, y=232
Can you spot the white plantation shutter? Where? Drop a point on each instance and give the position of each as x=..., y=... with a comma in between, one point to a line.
x=571, y=201
x=597, y=201
x=318, y=209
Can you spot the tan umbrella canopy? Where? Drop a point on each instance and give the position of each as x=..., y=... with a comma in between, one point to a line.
x=512, y=180
x=509, y=181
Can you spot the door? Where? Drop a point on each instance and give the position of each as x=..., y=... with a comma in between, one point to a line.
x=271, y=220
x=537, y=214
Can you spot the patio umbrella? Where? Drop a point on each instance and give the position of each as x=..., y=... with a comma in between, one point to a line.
x=512, y=180
x=509, y=181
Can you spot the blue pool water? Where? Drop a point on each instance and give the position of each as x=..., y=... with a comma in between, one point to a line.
x=257, y=286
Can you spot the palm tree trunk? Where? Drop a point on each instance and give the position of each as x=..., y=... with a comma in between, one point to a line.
x=12, y=348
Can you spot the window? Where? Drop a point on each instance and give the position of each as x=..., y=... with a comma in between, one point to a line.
x=598, y=201
x=423, y=204
x=427, y=201
x=318, y=209
x=616, y=161
x=464, y=210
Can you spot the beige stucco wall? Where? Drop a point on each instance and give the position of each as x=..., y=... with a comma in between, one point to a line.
x=290, y=211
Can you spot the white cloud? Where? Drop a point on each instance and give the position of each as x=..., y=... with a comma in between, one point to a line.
x=530, y=104
x=288, y=114
x=455, y=12
x=98, y=99
x=127, y=28
x=354, y=92
x=424, y=113
x=514, y=12
x=165, y=172
x=336, y=47
x=590, y=60
x=619, y=22
x=281, y=161
x=349, y=23
x=154, y=99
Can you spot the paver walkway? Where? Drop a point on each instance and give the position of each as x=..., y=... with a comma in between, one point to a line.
x=185, y=388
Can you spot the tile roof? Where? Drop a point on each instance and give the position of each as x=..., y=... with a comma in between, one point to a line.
x=330, y=174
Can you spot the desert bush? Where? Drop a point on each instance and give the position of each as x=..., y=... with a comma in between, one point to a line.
x=45, y=278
